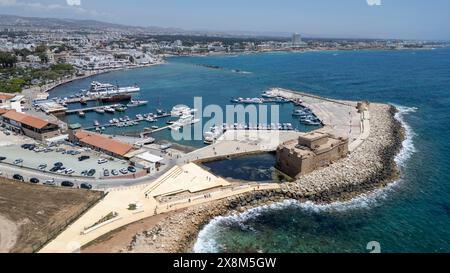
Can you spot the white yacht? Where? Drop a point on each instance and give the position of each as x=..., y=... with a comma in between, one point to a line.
x=181, y=110
x=107, y=89
x=135, y=103
x=211, y=136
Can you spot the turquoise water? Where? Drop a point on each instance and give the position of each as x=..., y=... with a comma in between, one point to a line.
x=411, y=216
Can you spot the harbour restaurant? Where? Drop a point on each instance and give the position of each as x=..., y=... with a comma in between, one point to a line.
x=27, y=125
x=101, y=143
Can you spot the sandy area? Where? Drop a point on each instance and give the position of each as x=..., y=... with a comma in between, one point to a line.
x=8, y=234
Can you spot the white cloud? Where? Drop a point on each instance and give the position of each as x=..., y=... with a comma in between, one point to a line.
x=72, y=7
x=374, y=2
x=73, y=2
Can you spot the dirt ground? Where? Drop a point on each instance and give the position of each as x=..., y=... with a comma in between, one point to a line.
x=118, y=240
x=30, y=215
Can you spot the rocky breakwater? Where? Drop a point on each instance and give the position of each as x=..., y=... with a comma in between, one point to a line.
x=369, y=167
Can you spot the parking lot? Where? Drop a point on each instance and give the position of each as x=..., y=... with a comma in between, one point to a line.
x=33, y=160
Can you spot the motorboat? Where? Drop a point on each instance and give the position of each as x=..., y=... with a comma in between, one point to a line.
x=100, y=110
x=109, y=110
x=248, y=100
x=136, y=103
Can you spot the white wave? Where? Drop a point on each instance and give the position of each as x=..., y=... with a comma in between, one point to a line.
x=408, y=148
x=206, y=242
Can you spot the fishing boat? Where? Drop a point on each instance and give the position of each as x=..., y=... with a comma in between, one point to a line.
x=136, y=103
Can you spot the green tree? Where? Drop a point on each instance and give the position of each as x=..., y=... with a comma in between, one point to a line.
x=7, y=60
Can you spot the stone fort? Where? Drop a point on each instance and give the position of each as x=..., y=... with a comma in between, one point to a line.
x=309, y=152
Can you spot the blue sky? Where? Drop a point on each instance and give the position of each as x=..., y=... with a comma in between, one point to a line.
x=409, y=19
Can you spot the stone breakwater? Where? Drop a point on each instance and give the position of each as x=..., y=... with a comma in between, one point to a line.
x=370, y=167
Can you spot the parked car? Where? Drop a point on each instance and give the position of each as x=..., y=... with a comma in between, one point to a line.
x=105, y=172
x=59, y=164
x=2, y=158
x=91, y=172
x=83, y=158
x=86, y=186
x=50, y=182
x=123, y=171
x=18, y=177
x=67, y=184
x=69, y=171
x=42, y=167
x=131, y=169
x=102, y=161
x=18, y=161
x=114, y=172
x=34, y=180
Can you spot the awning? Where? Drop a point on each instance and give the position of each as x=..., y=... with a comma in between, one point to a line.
x=150, y=157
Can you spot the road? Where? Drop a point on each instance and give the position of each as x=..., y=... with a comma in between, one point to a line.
x=9, y=171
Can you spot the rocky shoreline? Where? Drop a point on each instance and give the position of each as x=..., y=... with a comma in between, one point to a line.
x=370, y=167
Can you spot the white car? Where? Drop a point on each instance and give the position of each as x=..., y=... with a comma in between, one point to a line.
x=69, y=171
x=50, y=182
x=102, y=161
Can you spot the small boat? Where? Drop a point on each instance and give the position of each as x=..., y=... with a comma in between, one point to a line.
x=268, y=94
x=170, y=122
x=248, y=100
x=109, y=110
x=136, y=103
x=160, y=112
x=83, y=101
x=81, y=114
x=96, y=123
x=311, y=122
x=103, y=128
x=100, y=110
x=155, y=127
x=121, y=109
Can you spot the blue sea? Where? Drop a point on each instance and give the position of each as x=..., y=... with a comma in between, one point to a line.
x=411, y=215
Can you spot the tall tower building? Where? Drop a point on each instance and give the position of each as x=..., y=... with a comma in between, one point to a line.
x=296, y=39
